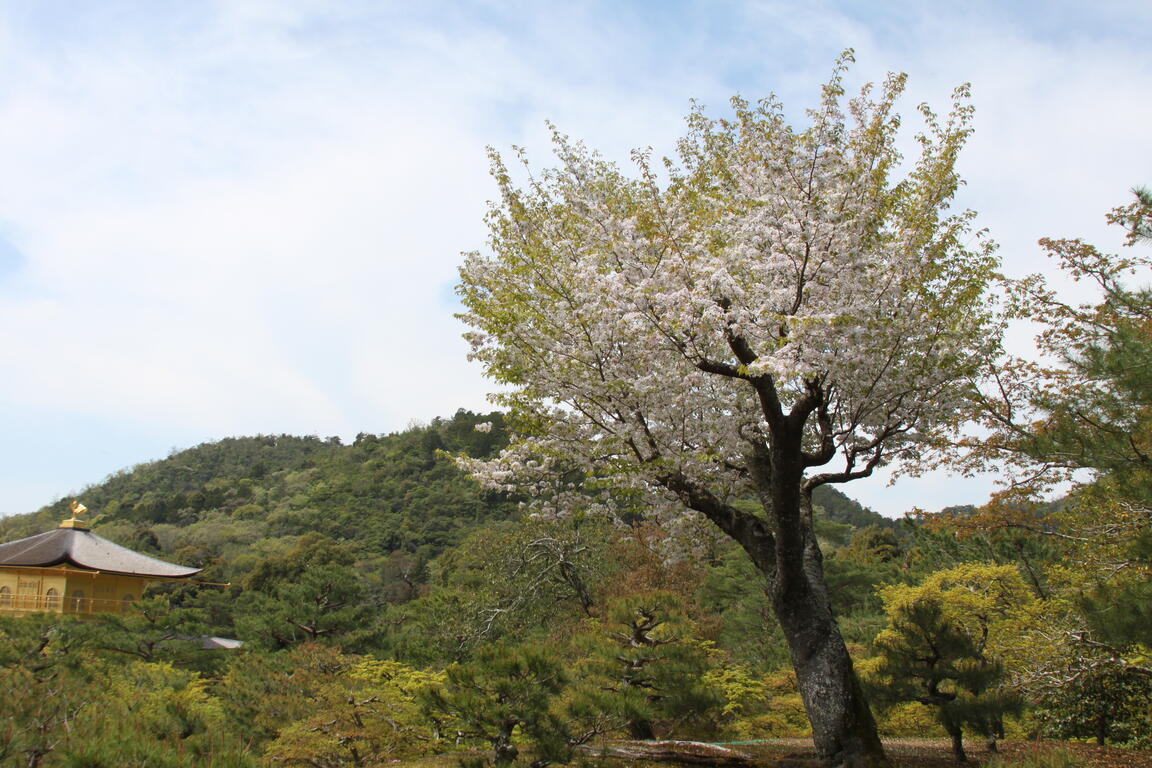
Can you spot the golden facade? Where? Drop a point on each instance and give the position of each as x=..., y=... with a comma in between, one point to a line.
x=72, y=570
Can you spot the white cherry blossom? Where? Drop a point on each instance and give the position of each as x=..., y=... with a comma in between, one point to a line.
x=770, y=312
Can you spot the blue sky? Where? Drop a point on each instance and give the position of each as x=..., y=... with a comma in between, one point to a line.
x=245, y=217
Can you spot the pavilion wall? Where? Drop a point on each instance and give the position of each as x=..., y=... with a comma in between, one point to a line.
x=64, y=589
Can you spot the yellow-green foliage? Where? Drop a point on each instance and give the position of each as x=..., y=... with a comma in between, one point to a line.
x=66, y=703
x=908, y=719
x=953, y=641
x=745, y=698
x=162, y=699
x=361, y=712
x=991, y=603
x=151, y=713
x=759, y=708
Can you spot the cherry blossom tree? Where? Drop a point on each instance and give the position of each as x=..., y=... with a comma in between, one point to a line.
x=777, y=309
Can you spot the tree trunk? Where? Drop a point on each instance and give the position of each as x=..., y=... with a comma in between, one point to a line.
x=843, y=728
x=505, y=751
x=689, y=752
x=995, y=733
x=640, y=729
x=957, y=735
x=783, y=547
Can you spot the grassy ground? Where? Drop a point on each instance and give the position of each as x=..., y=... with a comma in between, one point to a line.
x=936, y=753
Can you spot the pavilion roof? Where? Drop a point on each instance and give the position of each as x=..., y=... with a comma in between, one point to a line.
x=83, y=549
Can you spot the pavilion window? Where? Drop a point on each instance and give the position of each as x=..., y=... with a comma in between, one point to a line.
x=28, y=591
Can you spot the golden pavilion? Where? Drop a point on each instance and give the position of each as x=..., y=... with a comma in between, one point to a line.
x=72, y=570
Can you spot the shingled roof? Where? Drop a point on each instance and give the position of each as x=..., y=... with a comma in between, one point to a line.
x=83, y=549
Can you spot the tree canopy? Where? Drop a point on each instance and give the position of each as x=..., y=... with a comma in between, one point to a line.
x=774, y=310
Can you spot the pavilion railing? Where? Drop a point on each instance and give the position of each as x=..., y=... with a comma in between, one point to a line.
x=20, y=604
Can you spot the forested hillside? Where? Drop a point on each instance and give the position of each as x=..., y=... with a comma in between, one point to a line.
x=383, y=493
x=227, y=506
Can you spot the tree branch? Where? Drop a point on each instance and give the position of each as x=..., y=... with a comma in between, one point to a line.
x=748, y=530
